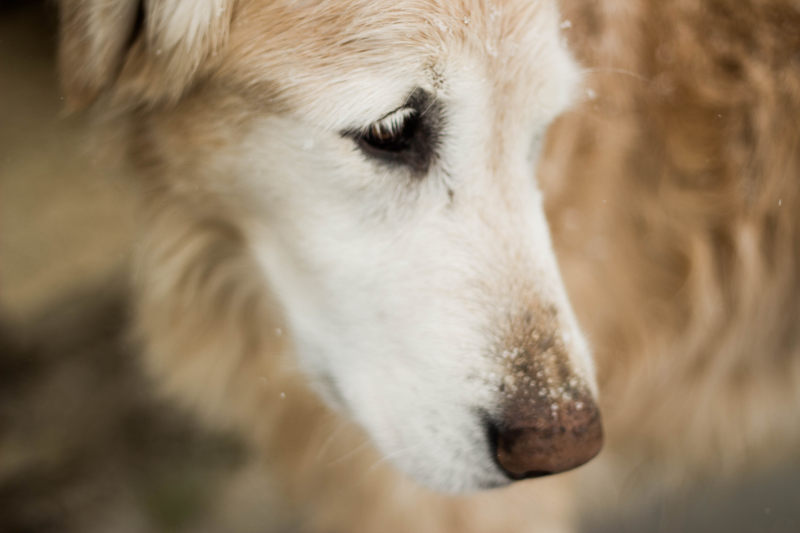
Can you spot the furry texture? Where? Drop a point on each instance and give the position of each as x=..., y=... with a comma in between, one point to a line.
x=100, y=48
x=673, y=195
x=672, y=204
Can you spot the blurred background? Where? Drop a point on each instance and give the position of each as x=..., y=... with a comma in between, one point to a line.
x=84, y=444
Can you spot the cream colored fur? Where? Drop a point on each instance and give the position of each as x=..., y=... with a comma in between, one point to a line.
x=274, y=260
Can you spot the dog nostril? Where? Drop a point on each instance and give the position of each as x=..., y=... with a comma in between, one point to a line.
x=538, y=443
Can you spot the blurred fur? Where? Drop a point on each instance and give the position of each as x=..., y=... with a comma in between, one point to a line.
x=673, y=200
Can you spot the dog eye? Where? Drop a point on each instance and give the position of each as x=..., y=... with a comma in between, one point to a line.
x=407, y=137
x=392, y=134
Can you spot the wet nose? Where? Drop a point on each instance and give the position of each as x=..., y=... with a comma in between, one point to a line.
x=543, y=439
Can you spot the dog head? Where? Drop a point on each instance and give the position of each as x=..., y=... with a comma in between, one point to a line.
x=376, y=161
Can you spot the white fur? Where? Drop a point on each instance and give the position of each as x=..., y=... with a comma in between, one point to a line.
x=395, y=297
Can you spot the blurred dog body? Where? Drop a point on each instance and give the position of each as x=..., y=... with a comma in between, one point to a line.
x=672, y=197
x=288, y=252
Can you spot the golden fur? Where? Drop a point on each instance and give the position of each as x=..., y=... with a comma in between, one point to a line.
x=672, y=198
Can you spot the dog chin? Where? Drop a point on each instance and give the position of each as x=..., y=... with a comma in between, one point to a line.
x=456, y=485
x=449, y=475
x=454, y=479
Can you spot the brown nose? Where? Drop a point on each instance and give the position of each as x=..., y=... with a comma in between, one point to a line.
x=542, y=439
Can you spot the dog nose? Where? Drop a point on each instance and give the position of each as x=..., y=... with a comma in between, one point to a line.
x=542, y=439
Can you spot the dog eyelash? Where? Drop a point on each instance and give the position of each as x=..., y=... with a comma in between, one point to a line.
x=392, y=124
x=393, y=132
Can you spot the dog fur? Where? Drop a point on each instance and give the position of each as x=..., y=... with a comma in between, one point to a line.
x=672, y=197
x=676, y=235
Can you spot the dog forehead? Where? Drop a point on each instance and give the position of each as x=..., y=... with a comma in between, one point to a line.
x=303, y=53
x=353, y=24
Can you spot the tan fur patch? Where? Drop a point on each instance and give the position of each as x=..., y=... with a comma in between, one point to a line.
x=673, y=198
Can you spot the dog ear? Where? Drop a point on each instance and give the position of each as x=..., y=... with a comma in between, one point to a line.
x=139, y=51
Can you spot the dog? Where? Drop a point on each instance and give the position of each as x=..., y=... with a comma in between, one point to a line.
x=345, y=255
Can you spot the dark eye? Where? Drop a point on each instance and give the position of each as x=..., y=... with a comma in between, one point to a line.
x=393, y=133
x=407, y=137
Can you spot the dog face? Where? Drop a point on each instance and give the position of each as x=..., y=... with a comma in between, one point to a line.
x=379, y=163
